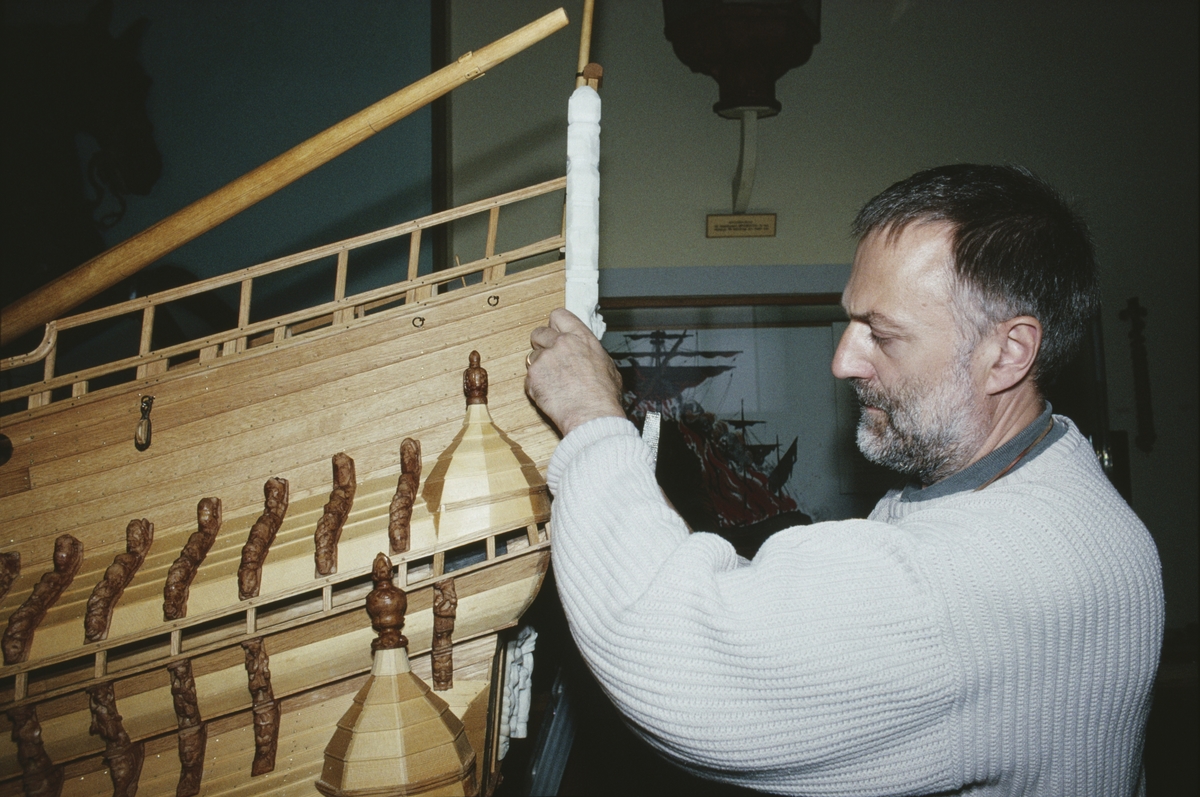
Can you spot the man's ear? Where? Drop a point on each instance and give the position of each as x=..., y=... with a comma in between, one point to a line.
x=1017, y=342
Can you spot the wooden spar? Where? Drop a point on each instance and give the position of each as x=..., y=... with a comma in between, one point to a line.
x=585, y=42
x=127, y=258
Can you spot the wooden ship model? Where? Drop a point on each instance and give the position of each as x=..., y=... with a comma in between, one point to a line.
x=182, y=583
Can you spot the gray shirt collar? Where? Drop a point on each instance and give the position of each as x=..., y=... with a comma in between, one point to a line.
x=992, y=464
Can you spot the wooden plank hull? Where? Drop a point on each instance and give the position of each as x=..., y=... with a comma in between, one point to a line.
x=221, y=428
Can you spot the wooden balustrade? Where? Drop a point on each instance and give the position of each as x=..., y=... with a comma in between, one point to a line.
x=341, y=309
x=130, y=256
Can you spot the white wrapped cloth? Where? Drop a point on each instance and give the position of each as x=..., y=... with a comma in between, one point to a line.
x=583, y=207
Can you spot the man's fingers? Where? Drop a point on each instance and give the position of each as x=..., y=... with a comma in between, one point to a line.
x=563, y=320
x=542, y=338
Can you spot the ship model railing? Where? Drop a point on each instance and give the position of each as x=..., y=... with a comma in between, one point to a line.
x=341, y=310
x=333, y=603
x=323, y=598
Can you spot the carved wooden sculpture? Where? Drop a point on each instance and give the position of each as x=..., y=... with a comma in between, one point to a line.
x=386, y=604
x=39, y=776
x=179, y=577
x=10, y=568
x=18, y=636
x=329, y=527
x=122, y=757
x=475, y=381
x=139, y=534
x=262, y=534
x=193, y=733
x=400, y=511
x=445, y=609
x=266, y=709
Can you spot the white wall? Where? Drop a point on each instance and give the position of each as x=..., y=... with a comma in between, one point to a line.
x=1098, y=98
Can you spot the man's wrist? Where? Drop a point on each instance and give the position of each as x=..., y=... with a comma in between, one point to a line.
x=576, y=419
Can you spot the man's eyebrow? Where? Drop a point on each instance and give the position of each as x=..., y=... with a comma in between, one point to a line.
x=874, y=319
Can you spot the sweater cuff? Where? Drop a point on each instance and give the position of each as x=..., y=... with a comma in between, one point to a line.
x=579, y=439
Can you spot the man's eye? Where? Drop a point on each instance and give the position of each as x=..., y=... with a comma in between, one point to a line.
x=878, y=340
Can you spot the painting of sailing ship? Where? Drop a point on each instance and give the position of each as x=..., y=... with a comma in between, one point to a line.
x=725, y=472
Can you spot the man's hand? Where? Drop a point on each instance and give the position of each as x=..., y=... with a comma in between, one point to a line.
x=571, y=377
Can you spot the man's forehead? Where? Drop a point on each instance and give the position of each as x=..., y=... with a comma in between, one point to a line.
x=896, y=273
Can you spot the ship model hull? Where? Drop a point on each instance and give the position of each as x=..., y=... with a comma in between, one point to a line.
x=270, y=399
x=182, y=573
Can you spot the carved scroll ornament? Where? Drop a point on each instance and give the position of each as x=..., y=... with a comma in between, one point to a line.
x=193, y=733
x=139, y=535
x=179, y=577
x=121, y=755
x=445, y=609
x=266, y=708
x=262, y=534
x=10, y=568
x=18, y=636
x=329, y=527
x=400, y=511
x=39, y=776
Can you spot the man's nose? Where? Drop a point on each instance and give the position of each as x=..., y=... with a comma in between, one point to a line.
x=850, y=361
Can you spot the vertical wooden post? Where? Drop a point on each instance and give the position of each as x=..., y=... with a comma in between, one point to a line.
x=496, y=272
x=339, y=287
x=493, y=224
x=233, y=346
x=43, y=398
x=145, y=344
x=414, y=263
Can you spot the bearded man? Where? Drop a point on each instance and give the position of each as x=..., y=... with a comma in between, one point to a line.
x=992, y=628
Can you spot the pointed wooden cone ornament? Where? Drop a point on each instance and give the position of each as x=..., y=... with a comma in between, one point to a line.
x=399, y=737
x=483, y=482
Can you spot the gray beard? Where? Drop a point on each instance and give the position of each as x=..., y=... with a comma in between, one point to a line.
x=929, y=430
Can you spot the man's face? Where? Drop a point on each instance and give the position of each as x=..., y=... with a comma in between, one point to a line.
x=909, y=363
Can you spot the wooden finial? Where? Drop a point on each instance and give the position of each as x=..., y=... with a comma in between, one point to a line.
x=475, y=381
x=593, y=75
x=386, y=605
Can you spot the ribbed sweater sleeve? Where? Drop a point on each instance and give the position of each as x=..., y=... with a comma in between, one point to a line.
x=818, y=668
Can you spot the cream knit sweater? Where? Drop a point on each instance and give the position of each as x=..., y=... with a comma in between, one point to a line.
x=1000, y=642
